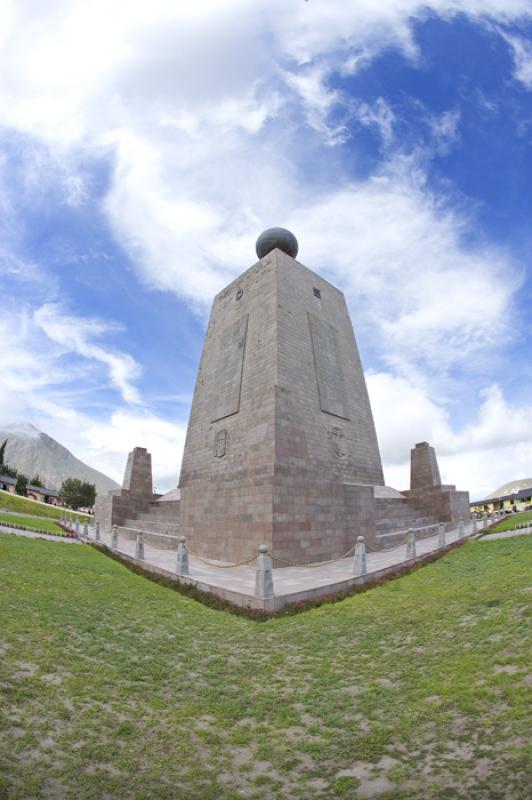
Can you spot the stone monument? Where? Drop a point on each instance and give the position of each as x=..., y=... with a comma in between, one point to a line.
x=135, y=495
x=427, y=491
x=281, y=432
x=281, y=448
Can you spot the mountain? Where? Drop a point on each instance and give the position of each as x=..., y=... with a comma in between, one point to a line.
x=33, y=452
x=511, y=488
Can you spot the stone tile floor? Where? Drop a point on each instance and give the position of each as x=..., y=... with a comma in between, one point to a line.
x=287, y=580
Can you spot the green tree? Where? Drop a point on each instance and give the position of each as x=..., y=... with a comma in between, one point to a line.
x=76, y=493
x=36, y=481
x=2, y=452
x=7, y=470
x=22, y=482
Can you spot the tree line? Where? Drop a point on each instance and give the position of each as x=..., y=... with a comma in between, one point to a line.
x=73, y=493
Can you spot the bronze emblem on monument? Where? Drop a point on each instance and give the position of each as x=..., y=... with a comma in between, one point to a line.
x=338, y=442
x=220, y=444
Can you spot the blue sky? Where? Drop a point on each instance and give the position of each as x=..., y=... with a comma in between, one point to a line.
x=145, y=146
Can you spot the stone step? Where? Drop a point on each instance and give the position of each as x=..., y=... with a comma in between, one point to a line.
x=162, y=509
x=392, y=508
x=425, y=529
x=410, y=521
x=172, y=519
x=401, y=514
x=390, y=539
x=160, y=540
x=158, y=526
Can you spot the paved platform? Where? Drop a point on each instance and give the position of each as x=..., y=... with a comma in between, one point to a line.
x=291, y=584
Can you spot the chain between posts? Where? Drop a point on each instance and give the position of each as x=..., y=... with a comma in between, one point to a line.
x=284, y=561
x=220, y=566
x=315, y=563
x=395, y=546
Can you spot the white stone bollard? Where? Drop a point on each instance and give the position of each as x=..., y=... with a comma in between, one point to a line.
x=441, y=535
x=85, y=530
x=97, y=532
x=485, y=519
x=360, y=566
x=410, y=544
x=76, y=527
x=474, y=529
x=114, y=537
x=264, y=576
x=139, y=547
x=182, y=556
x=461, y=530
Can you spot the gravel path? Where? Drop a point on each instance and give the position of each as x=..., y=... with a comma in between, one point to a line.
x=37, y=535
x=504, y=534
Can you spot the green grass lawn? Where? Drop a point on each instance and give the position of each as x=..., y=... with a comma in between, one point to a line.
x=115, y=687
x=14, y=502
x=31, y=523
x=513, y=521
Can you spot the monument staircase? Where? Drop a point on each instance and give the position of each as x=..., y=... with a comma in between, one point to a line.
x=395, y=515
x=159, y=523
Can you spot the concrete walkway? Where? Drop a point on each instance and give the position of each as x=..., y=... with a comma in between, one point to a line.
x=291, y=584
x=489, y=537
x=37, y=535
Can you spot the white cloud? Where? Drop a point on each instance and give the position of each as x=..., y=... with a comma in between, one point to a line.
x=76, y=335
x=397, y=251
x=38, y=384
x=493, y=449
x=522, y=54
x=110, y=440
x=180, y=98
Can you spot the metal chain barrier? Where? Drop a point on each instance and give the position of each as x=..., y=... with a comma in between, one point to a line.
x=287, y=563
x=315, y=563
x=220, y=566
x=401, y=543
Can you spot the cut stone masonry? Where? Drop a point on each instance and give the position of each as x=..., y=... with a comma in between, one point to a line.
x=281, y=448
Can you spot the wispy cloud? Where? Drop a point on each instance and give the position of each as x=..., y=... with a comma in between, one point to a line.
x=522, y=55
x=77, y=335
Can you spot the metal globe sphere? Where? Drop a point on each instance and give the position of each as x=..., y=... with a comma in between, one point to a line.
x=277, y=237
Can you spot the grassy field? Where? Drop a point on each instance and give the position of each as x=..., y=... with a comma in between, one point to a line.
x=115, y=687
x=513, y=521
x=23, y=505
x=31, y=523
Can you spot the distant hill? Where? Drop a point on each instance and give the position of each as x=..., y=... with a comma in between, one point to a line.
x=511, y=488
x=33, y=452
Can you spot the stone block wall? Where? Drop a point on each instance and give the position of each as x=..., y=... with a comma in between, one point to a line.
x=424, y=470
x=443, y=502
x=115, y=507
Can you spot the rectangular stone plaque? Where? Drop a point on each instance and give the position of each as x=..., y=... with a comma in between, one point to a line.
x=228, y=374
x=329, y=373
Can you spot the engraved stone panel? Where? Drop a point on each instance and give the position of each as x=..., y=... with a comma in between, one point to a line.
x=329, y=373
x=220, y=444
x=338, y=442
x=228, y=375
